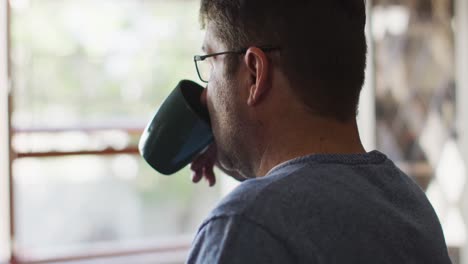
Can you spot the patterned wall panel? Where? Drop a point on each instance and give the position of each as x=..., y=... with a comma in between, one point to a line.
x=416, y=100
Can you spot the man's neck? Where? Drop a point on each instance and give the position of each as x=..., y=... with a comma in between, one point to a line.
x=314, y=136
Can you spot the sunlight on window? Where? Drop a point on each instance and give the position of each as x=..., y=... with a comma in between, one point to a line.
x=91, y=62
x=87, y=75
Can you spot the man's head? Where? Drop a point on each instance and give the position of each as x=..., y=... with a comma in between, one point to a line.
x=322, y=57
x=323, y=45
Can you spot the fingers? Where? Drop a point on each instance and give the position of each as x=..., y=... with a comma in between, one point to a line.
x=196, y=176
x=196, y=167
x=209, y=175
x=206, y=172
x=202, y=166
x=204, y=159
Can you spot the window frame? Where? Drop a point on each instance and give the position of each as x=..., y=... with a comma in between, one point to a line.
x=163, y=252
x=5, y=160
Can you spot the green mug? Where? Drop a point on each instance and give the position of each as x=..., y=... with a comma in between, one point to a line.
x=179, y=130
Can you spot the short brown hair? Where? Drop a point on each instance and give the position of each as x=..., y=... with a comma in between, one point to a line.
x=323, y=44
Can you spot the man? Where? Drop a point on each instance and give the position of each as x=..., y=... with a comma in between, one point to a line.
x=283, y=85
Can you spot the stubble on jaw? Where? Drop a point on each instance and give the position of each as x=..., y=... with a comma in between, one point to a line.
x=232, y=128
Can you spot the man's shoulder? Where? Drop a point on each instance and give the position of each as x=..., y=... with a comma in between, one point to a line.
x=273, y=194
x=305, y=184
x=253, y=193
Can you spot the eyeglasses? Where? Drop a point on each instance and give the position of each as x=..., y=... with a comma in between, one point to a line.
x=204, y=67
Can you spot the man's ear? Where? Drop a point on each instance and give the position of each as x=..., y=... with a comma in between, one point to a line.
x=259, y=73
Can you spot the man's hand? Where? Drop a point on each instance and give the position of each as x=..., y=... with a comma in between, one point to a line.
x=203, y=165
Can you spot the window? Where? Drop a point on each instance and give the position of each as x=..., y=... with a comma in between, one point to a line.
x=87, y=76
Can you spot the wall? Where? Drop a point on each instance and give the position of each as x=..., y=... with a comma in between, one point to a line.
x=462, y=97
x=366, y=116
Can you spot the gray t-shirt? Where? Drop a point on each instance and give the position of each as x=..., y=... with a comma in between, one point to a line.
x=324, y=209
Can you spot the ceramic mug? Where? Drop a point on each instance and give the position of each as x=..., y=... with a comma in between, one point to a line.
x=179, y=130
